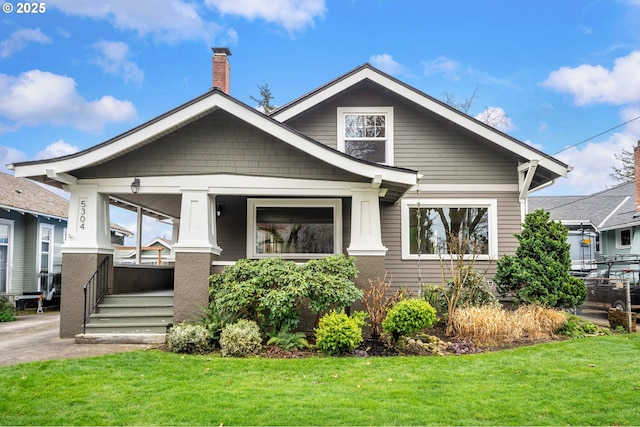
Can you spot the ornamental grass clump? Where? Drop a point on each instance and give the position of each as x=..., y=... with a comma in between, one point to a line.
x=188, y=338
x=339, y=333
x=490, y=325
x=240, y=339
x=408, y=317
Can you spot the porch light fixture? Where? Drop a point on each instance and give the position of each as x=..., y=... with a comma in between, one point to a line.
x=135, y=186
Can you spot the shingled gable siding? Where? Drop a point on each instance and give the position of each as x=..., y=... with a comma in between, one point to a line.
x=218, y=143
x=422, y=142
x=405, y=272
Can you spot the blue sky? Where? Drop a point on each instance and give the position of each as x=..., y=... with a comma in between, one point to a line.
x=556, y=72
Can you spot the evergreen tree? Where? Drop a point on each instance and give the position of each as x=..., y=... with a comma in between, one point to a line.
x=540, y=271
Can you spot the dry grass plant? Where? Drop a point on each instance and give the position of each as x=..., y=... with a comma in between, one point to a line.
x=489, y=325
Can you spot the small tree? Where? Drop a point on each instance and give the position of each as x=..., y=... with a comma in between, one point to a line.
x=264, y=101
x=540, y=271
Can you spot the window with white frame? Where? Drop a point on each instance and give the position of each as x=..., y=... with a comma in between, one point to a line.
x=6, y=245
x=294, y=228
x=432, y=228
x=623, y=238
x=45, y=249
x=366, y=133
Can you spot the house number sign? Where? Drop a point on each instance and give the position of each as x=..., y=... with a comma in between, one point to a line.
x=82, y=213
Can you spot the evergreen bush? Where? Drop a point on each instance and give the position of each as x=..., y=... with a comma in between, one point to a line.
x=540, y=270
x=339, y=333
x=188, y=338
x=7, y=310
x=408, y=317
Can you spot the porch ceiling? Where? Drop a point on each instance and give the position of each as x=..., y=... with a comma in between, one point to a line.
x=158, y=206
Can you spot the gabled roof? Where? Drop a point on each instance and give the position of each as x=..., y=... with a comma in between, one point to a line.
x=608, y=209
x=552, y=168
x=60, y=170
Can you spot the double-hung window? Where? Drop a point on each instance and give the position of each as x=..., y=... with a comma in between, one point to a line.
x=623, y=238
x=366, y=133
x=434, y=228
x=294, y=228
x=45, y=251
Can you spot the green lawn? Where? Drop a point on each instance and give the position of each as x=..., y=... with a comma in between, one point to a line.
x=592, y=381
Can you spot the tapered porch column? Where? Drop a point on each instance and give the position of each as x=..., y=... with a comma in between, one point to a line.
x=366, y=236
x=88, y=243
x=195, y=250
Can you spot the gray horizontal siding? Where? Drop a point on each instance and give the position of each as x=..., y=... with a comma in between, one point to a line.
x=410, y=273
x=422, y=141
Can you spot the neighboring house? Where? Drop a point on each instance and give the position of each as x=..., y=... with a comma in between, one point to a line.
x=600, y=224
x=156, y=252
x=33, y=227
x=345, y=169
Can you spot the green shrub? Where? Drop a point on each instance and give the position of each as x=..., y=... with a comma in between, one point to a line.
x=188, y=338
x=408, y=317
x=271, y=291
x=240, y=339
x=7, y=310
x=339, y=333
x=576, y=327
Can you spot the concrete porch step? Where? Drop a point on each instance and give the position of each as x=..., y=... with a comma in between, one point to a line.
x=126, y=328
x=117, y=338
x=133, y=318
x=137, y=299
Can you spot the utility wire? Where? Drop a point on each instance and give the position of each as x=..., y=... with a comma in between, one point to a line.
x=595, y=136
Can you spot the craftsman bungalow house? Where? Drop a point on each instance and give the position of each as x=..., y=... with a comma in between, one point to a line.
x=342, y=169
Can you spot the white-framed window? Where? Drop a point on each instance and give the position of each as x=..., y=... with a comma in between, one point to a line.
x=471, y=224
x=366, y=133
x=6, y=247
x=294, y=228
x=45, y=251
x=624, y=236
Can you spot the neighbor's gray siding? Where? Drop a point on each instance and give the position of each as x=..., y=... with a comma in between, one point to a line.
x=218, y=143
x=422, y=142
x=405, y=272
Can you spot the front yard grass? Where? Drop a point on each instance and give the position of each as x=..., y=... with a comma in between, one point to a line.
x=591, y=381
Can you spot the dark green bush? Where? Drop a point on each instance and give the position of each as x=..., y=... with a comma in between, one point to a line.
x=287, y=340
x=272, y=291
x=7, y=310
x=408, y=317
x=240, y=339
x=540, y=271
x=339, y=333
x=577, y=327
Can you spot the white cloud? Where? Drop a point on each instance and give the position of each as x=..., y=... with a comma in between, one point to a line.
x=167, y=20
x=594, y=84
x=497, y=118
x=56, y=149
x=19, y=40
x=442, y=65
x=114, y=60
x=386, y=63
x=293, y=15
x=10, y=155
x=37, y=97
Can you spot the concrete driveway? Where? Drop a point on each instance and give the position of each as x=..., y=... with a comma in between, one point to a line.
x=35, y=337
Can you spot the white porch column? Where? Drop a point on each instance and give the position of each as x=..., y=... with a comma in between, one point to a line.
x=197, y=226
x=88, y=228
x=366, y=235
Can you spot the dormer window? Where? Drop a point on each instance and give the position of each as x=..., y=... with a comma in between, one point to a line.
x=366, y=133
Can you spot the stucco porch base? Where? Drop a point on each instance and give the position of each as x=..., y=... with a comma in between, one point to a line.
x=191, y=285
x=77, y=269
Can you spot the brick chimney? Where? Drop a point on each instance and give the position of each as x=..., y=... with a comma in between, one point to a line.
x=636, y=171
x=221, y=68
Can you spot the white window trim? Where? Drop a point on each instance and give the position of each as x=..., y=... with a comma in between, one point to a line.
x=386, y=111
x=11, y=224
x=39, y=252
x=252, y=204
x=619, y=244
x=491, y=204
